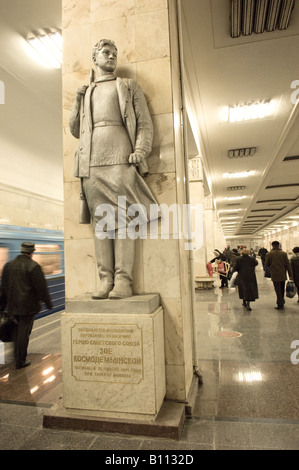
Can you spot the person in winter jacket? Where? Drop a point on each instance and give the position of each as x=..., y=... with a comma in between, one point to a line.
x=295, y=268
x=246, y=279
x=278, y=262
x=23, y=288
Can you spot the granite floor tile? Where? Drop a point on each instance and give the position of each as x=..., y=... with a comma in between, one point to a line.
x=198, y=431
x=115, y=442
x=59, y=440
x=275, y=436
x=13, y=437
x=232, y=434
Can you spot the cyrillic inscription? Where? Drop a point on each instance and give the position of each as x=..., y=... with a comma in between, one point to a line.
x=107, y=353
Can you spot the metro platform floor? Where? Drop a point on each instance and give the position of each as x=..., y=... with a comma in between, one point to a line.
x=248, y=400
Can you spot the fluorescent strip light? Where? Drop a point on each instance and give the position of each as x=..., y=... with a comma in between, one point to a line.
x=247, y=112
x=48, y=49
x=248, y=12
x=260, y=15
x=273, y=12
x=240, y=174
x=235, y=198
x=230, y=210
x=250, y=112
x=236, y=9
x=285, y=13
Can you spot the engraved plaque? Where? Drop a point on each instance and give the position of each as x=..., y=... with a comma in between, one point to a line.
x=107, y=353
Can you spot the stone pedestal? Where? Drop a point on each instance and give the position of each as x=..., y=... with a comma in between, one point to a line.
x=113, y=365
x=113, y=359
x=204, y=282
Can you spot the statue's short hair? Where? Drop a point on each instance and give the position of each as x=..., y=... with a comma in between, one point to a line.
x=99, y=45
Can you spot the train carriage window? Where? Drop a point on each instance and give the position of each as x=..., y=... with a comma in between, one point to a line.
x=4, y=250
x=49, y=257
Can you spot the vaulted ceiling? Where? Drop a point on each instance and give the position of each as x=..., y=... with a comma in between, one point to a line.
x=223, y=71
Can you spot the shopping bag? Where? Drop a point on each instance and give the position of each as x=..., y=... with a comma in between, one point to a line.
x=8, y=330
x=267, y=272
x=210, y=269
x=221, y=268
x=290, y=289
x=232, y=283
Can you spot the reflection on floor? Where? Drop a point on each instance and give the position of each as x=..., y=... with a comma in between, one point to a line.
x=248, y=400
x=39, y=384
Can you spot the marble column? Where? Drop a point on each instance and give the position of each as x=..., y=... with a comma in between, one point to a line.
x=209, y=227
x=197, y=199
x=146, y=35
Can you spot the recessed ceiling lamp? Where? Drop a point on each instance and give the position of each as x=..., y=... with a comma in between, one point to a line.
x=231, y=210
x=248, y=112
x=46, y=48
x=239, y=153
x=238, y=174
x=236, y=188
x=235, y=198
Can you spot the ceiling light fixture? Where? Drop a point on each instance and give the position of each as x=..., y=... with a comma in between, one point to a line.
x=231, y=210
x=248, y=111
x=47, y=48
x=259, y=16
x=239, y=174
x=236, y=188
x=251, y=111
x=244, y=152
x=235, y=198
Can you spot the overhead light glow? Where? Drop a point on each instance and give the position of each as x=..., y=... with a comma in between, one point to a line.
x=235, y=198
x=47, y=49
x=238, y=174
x=251, y=376
x=231, y=210
x=248, y=112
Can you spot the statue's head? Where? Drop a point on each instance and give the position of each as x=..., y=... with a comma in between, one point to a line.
x=107, y=46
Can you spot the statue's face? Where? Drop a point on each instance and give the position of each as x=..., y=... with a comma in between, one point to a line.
x=106, y=58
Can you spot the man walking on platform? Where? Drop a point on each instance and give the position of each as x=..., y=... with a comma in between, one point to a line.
x=23, y=288
x=278, y=262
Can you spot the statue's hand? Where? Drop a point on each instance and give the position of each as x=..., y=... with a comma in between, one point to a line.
x=135, y=158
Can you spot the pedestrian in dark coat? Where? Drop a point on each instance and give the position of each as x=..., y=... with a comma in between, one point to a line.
x=278, y=262
x=246, y=279
x=262, y=253
x=23, y=288
x=295, y=268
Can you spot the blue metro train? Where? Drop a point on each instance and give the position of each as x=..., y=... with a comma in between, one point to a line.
x=49, y=254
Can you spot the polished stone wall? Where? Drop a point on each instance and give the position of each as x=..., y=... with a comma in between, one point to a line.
x=146, y=34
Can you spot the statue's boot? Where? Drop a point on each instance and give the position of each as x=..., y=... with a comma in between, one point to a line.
x=105, y=260
x=124, y=251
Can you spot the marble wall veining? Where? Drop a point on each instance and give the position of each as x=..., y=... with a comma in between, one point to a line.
x=146, y=34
